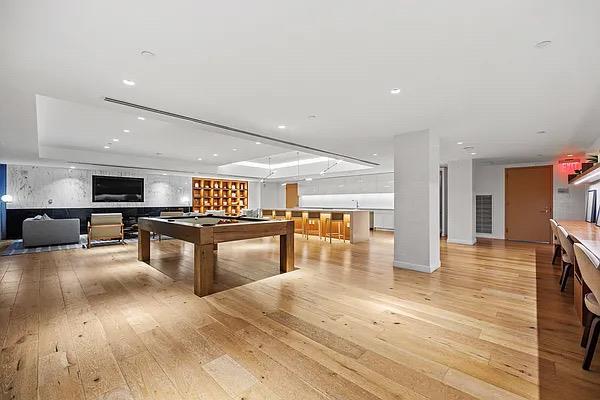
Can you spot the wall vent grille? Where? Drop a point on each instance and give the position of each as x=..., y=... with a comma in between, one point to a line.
x=483, y=211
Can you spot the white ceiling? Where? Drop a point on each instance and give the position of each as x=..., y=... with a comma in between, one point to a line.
x=75, y=126
x=468, y=71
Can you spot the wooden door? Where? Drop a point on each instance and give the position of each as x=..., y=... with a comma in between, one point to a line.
x=291, y=195
x=528, y=203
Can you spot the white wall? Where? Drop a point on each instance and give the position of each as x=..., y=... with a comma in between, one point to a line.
x=272, y=195
x=368, y=183
x=489, y=179
x=461, y=202
x=48, y=187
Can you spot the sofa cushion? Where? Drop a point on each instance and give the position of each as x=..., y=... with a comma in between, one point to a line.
x=106, y=219
x=49, y=232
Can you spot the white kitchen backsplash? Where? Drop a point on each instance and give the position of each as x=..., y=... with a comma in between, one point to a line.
x=383, y=201
x=48, y=187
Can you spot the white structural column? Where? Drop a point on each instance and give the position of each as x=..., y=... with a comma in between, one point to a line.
x=461, y=202
x=416, y=201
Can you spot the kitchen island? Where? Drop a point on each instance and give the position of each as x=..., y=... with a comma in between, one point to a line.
x=355, y=225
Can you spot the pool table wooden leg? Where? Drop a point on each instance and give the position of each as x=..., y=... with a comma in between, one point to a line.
x=144, y=245
x=286, y=249
x=204, y=267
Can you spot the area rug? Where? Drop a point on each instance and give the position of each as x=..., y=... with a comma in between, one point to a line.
x=16, y=247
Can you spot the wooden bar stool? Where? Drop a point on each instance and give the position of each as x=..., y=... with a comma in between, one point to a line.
x=298, y=220
x=555, y=240
x=588, y=266
x=312, y=220
x=568, y=256
x=337, y=220
x=279, y=215
x=267, y=214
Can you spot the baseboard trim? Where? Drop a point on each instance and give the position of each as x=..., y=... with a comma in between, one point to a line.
x=461, y=241
x=415, y=267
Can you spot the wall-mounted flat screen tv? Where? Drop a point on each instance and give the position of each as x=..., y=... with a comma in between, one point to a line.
x=117, y=189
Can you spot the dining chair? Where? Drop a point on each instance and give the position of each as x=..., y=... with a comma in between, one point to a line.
x=555, y=240
x=568, y=257
x=588, y=266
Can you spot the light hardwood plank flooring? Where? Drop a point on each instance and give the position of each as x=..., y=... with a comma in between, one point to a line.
x=98, y=324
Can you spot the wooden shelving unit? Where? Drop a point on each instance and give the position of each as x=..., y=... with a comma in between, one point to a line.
x=589, y=169
x=219, y=194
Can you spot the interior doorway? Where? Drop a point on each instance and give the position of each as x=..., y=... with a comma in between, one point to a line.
x=291, y=195
x=528, y=203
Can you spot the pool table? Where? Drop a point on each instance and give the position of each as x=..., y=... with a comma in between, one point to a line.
x=206, y=231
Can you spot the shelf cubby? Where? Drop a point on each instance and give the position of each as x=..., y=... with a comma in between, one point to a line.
x=219, y=194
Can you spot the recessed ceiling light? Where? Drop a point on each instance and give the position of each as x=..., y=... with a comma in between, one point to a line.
x=215, y=155
x=543, y=43
x=107, y=147
x=199, y=158
x=258, y=142
x=128, y=82
x=234, y=149
x=115, y=140
x=308, y=179
x=375, y=154
x=282, y=126
x=164, y=174
x=141, y=118
x=473, y=153
x=126, y=130
x=147, y=53
x=569, y=155
x=459, y=142
x=395, y=91
x=72, y=167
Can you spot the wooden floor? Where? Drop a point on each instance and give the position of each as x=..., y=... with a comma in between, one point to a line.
x=98, y=324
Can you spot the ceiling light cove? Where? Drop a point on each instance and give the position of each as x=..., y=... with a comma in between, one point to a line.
x=306, y=161
x=128, y=82
x=395, y=91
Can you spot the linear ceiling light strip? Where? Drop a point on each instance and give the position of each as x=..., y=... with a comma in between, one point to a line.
x=229, y=128
x=164, y=170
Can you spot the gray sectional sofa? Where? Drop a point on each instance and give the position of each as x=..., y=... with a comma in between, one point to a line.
x=46, y=232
